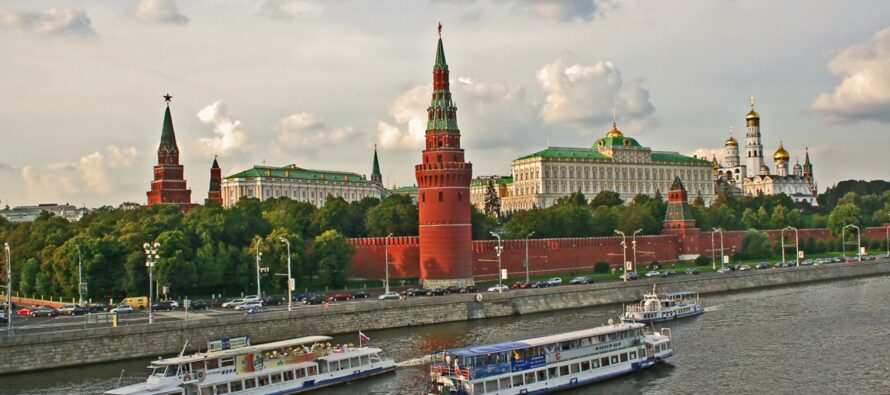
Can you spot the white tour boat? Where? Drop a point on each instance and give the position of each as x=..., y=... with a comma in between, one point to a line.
x=656, y=307
x=284, y=367
x=550, y=363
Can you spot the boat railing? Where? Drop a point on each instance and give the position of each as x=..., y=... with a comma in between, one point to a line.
x=666, y=332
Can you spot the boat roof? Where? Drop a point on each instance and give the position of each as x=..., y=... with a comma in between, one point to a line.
x=539, y=341
x=242, y=350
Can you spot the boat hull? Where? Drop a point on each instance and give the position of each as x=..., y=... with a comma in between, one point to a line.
x=337, y=381
x=692, y=313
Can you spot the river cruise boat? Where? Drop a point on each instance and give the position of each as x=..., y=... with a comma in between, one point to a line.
x=285, y=367
x=657, y=307
x=548, y=364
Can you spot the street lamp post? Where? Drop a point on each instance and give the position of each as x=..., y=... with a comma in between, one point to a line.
x=858, y=241
x=722, y=257
x=499, y=249
x=888, y=237
x=79, y=276
x=796, y=244
x=634, y=244
x=530, y=234
x=9, y=311
x=713, y=250
x=386, y=261
x=151, y=258
x=290, y=306
x=623, y=252
x=259, y=257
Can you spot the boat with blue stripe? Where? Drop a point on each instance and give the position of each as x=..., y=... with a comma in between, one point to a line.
x=658, y=307
x=550, y=363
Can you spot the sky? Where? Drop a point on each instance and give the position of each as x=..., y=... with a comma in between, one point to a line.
x=320, y=83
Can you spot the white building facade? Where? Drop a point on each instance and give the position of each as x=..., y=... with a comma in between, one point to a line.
x=303, y=185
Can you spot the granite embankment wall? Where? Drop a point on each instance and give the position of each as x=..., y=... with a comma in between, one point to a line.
x=45, y=351
x=565, y=255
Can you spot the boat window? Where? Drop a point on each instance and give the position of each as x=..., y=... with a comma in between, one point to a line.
x=313, y=371
x=491, y=386
x=505, y=383
x=542, y=375
x=249, y=383
x=594, y=363
x=604, y=361
x=564, y=370
x=552, y=372
x=614, y=359
x=623, y=357
x=564, y=346
x=354, y=362
x=300, y=373
x=324, y=367
x=207, y=390
x=585, y=365
x=236, y=386
x=222, y=388
x=529, y=377
x=364, y=359
x=668, y=345
x=517, y=380
x=276, y=378
x=212, y=364
x=263, y=381
x=171, y=371
x=228, y=361
x=633, y=355
x=196, y=366
x=289, y=375
x=574, y=368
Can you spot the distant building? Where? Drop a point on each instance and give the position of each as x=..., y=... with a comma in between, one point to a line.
x=30, y=213
x=214, y=193
x=169, y=186
x=410, y=191
x=614, y=163
x=479, y=186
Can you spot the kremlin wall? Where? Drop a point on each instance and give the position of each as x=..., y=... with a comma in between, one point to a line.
x=560, y=256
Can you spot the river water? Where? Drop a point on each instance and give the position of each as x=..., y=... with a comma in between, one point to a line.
x=825, y=338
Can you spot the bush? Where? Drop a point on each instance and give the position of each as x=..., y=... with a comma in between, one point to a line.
x=702, y=260
x=602, y=267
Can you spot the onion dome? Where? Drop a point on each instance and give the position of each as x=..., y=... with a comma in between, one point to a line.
x=753, y=118
x=781, y=155
x=614, y=132
x=732, y=141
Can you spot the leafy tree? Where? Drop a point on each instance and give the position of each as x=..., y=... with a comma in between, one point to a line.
x=843, y=215
x=28, y=282
x=755, y=245
x=492, y=202
x=575, y=198
x=396, y=215
x=604, y=221
x=333, y=254
x=176, y=268
x=602, y=267
x=606, y=198
x=483, y=224
x=635, y=217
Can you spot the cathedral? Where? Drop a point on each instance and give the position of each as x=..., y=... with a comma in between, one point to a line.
x=753, y=177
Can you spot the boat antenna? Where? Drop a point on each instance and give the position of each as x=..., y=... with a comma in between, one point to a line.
x=119, y=378
x=184, y=346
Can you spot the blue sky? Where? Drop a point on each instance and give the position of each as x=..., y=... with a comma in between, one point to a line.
x=319, y=83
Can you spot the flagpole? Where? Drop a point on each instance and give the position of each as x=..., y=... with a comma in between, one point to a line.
x=359, y=338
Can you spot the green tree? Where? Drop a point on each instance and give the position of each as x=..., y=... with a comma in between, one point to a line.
x=755, y=245
x=176, y=267
x=396, y=215
x=575, y=198
x=606, y=198
x=333, y=254
x=842, y=215
x=483, y=224
x=635, y=217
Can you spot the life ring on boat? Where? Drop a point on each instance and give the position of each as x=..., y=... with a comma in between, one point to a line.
x=558, y=356
x=478, y=297
x=187, y=377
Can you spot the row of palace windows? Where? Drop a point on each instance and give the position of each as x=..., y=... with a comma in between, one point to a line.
x=610, y=173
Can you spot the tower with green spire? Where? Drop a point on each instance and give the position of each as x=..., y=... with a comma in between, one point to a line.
x=376, y=177
x=169, y=186
x=443, y=198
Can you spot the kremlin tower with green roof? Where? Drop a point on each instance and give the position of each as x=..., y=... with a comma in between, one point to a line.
x=446, y=255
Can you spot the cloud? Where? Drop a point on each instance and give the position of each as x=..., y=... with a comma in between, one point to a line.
x=287, y=9
x=159, y=11
x=710, y=153
x=564, y=10
x=497, y=115
x=864, y=92
x=53, y=22
x=409, y=112
x=228, y=137
x=90, y=174
x=305, y=133
x=584, y=94
x=7, y=167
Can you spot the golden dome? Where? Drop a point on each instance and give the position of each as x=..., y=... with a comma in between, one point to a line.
x=752, y=114
x=614, y=132
x=732, y=141
x=781, y=154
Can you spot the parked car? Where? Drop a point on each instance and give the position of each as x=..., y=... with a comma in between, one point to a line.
x=43, y=311
x=124, y=308
x=413, y=292
x=725, y=269
x=436, y=292
x=469, y=289
x=744, y=268
x=520, y=284
x=653, y=273
x=274, y=300
x=165, y=305
x=498, y=288
x=198, y=305
x=65, y=309
x=691, y=271
x=249, y=305
x=81, y=310
x=25, y=310
x=300, y=297
x=389, y=295
x=554, y=281
x=668, y=273
x=216, y=302
x=360, y=295
x=539, y=284
x=315, y=299
x=454, y=289
x=232, y=303
x=581, y=280
x=339, y=298
x=253, y=298
x=630, y=276
x=762, y=265
x=100, y=307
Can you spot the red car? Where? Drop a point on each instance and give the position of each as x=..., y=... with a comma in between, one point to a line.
x=339, y=297
x=25, y=310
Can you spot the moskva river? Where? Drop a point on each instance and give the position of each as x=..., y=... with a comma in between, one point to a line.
x=827, y=338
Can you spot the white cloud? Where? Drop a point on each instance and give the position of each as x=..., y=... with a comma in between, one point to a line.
x=53, y=22
x=159, y=11
x=864, y=92
x=564, y=10
x=409, y=112
x=584, y=94
x=307, y=134
x=228, y=137
x=92, y=174
x=287, y=9
x=496, y=115
x=709, y=153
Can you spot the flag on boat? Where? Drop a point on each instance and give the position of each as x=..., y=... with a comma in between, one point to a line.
x=363, y=337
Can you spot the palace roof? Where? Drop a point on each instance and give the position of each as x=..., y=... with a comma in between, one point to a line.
x=587, y=153
x=294, y=172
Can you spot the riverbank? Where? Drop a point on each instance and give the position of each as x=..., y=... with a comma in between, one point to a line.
x=45, y=351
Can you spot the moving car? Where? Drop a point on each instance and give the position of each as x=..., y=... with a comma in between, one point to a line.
x=520, y=284
x=124, y=308
x=249, y=306
x=360, y=295
x=540, y=284
x=413, y=292
x=389, y=295
x=165, y=305
x=436, y=292
x=761, y=265
x=498, y=288
x=653, y=273
x=73, y=309
x=253, y=298
x=581, y=280
x=668, y=273
x=315, y=299
x=339, y=298
x=691, y=271
x=43, y=311
x=454, y=289
x=198, y=305
x=275, y=300
x=469, y=289
x=744, y=268
x=554, y=281
x=25, y=310
x=232, y=303
x=725, y=269
x=630, y=276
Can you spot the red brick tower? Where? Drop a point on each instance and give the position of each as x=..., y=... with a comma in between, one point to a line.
x=444, y=191
x=169, y=187
x=678, y=221
x=214, y=194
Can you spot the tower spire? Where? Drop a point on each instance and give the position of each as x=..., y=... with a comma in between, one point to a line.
x=376, y=177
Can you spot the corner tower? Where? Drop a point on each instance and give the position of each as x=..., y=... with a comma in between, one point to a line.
x=753, y=146
x=169, y=186
x=443, y=200
x=214, y=194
